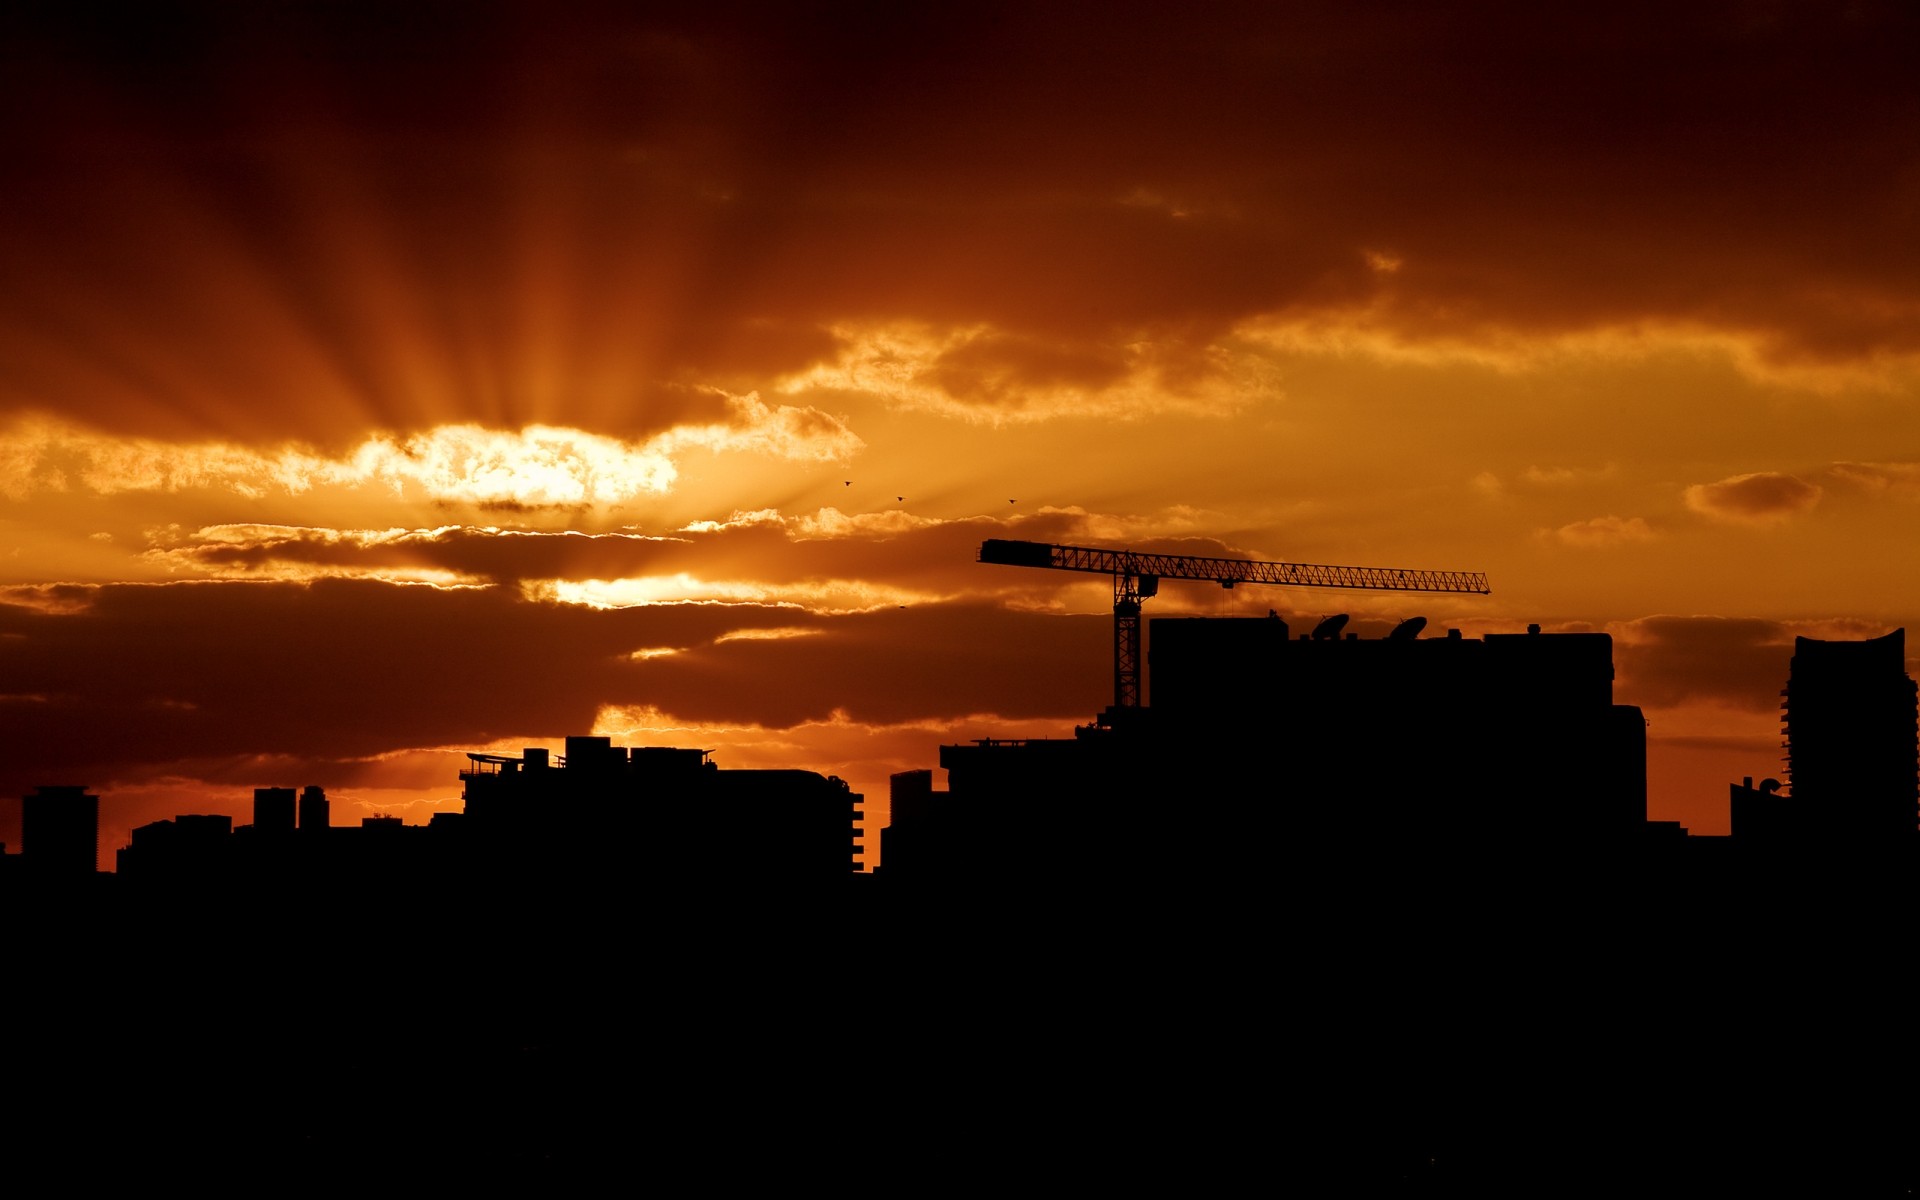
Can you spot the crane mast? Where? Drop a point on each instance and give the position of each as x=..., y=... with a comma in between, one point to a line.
x=1137, y=576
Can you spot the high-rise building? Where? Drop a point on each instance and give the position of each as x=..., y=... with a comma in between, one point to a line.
x=1849, y=717
x=273, y=809
x=316, y=812
x=60, y=832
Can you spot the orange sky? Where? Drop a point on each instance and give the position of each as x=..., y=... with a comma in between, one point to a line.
x=382, y=382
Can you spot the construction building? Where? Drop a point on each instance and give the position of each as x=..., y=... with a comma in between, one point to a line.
x=1261, y=749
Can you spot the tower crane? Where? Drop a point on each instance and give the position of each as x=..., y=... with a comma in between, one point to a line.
x=1137, y=576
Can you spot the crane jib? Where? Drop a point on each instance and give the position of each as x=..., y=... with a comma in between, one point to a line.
x=1137, y=576
x=1226, y=571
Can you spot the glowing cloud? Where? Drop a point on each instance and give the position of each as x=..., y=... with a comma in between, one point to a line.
x=784, y=430
x=821, y=596
x=983, y=374
x=825, y=523
x=538, y=466
x=767, y=635
x=1390, y=332
x=1760, y=498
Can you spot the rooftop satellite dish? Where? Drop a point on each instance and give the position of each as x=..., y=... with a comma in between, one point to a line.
x=1408, y=629
x=1330, y=628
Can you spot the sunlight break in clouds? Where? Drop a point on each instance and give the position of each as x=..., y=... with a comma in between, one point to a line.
x=1075, y=523
x=822, y=525
x=1760, y=498
x=774, y=634
x=819, y=596
x=539, y=465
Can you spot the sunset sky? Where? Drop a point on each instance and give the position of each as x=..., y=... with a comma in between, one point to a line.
x=383, y=382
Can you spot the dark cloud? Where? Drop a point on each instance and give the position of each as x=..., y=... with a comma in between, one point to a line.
x=894, y=665
x=1002, y=369
x=938, y=557
x=493, y=555
x=1665, y=662
x=151, y=680
x=1763, y=497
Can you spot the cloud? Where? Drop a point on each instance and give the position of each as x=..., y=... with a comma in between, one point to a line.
x=534, y=467
x=824, y=557
x=1897, y=479
x=990, y=374
x=1735, y=662
x=1759, y=498
x=1567, y=476
x=1666, y=661
x=1605, y=531
x=815, y=595
x=340, y=669
x=777, y=430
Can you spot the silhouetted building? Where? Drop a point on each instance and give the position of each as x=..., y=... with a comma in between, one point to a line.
x=1850, y=713
x=60, y=832
x=273, y=810
x=661, y=812
x=1261, y=751
x=911, y=803
x=190, y=846
x=316, y=812
x=1764, y=815
x=1483, y=741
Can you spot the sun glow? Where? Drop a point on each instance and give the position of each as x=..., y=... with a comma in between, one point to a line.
x=537, y=466
x=832, y=596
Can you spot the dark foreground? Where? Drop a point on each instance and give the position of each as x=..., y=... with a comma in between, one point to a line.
x=1358, y=1029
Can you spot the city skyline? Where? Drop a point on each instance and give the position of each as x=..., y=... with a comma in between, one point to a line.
x=1510, y=745
x=382, y=385
x=1449, y=982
